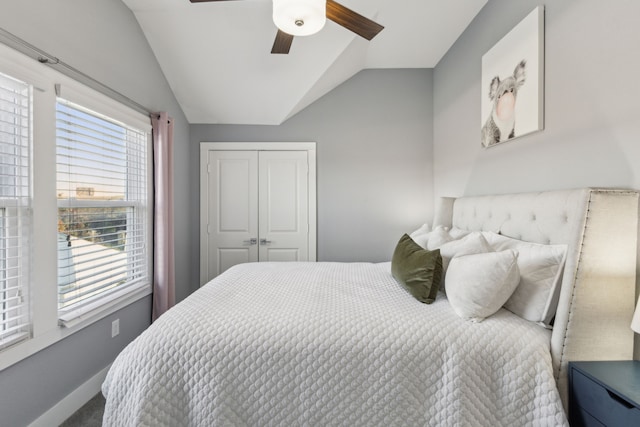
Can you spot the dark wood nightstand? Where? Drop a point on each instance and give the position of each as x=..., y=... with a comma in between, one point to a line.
x=604, y=393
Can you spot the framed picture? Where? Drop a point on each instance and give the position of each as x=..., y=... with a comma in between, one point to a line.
x=512, y=101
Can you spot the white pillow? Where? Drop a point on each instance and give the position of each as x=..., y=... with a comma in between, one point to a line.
x=424, y=229
x=422, y=239
x=478, y=285
x=541, y=268
x=421, y=235
x=438, y=237
x=458, y=233
x=472, y=243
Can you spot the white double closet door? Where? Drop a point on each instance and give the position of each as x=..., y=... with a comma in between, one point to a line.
x=256, y=205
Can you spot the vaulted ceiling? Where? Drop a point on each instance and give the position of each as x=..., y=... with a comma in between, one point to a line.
x=217, y=57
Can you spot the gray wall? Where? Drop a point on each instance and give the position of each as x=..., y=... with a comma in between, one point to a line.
x=592, y=103
x=34, y=385
x=102, y=39
x=374, y=161
x=592, y=106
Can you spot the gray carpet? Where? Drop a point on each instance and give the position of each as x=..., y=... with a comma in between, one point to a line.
x=90, y=415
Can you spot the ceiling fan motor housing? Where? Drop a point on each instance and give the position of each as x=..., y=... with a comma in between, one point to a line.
x=300, y=17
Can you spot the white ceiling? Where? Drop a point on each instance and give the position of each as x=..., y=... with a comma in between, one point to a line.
x=216, y=56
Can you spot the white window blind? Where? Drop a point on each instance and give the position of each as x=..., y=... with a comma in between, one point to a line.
x=15, y=199
x=102, y=201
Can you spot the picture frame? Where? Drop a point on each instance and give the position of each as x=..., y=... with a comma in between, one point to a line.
x=512, y=81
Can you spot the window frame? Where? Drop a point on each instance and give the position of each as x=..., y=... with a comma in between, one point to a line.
x=69, y=315
x=48, y=84
x=14, y=210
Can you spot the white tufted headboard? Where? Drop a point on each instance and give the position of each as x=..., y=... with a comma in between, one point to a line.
x=598, y=287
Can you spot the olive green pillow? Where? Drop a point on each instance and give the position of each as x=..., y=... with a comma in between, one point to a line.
x=417, y=269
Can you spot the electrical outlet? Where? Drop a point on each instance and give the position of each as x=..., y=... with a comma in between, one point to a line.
x=115, y=328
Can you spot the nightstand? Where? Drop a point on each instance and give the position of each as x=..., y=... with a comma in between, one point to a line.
x=604, y=393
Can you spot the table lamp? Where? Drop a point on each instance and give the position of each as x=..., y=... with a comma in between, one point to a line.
x=635, y=323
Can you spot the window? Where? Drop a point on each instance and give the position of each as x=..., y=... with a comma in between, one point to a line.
x=15, y=146
x=75, y=197
x=102, y=208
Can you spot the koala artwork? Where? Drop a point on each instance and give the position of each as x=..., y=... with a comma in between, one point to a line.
x=500, y=126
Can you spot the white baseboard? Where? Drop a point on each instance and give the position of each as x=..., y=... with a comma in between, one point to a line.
x=72, y=402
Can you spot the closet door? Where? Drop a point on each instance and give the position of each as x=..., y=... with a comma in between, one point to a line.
x=257, y=203
x=283, y=206
x=232, y=211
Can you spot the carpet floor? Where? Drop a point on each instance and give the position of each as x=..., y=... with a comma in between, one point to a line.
x=90, y=415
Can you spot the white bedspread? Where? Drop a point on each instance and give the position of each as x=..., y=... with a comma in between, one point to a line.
x=321, y=344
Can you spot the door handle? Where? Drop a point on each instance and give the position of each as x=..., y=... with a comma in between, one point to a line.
x=265, y=241
x=251, y=241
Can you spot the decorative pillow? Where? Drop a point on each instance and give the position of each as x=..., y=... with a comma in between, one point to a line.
x=458, y=233
x=478, y=285
x=424, y=229
x=438, y=237
x=421, y=235
x=422, y=240
x=472, y=243
x=418, y=270
x=541, y=268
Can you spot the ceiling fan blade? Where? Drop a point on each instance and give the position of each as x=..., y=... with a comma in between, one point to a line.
x=364, y=27
x=282, y=43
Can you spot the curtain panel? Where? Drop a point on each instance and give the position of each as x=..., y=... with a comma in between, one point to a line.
x=163, y=238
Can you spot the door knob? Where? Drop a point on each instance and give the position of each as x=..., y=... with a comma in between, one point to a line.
x=252, y=241
x=264, y=241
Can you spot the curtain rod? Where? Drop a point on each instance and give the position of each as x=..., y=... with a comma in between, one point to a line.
x=43, y=57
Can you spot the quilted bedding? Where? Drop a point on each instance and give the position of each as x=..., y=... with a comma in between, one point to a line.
x=321, y=344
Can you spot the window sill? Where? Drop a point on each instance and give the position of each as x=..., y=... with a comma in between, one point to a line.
x=13, y=340
x=98, y=308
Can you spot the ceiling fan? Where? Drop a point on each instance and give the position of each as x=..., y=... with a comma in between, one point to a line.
x=306, y=17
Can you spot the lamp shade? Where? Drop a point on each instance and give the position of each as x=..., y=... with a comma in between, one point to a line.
x=635, y=323
x=300, y=17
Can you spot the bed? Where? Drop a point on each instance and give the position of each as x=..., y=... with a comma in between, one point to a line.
x=344, y=344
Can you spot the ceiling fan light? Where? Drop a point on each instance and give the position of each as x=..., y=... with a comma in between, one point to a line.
x=300, y=17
